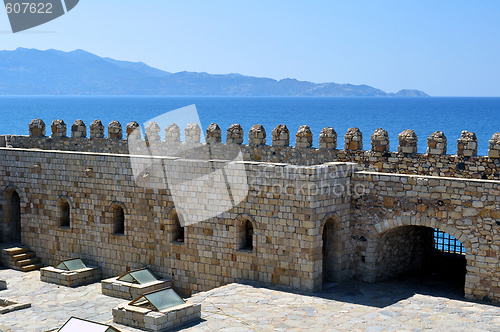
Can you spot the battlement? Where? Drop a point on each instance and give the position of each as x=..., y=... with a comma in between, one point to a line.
x=405, y=159
x=437, y=142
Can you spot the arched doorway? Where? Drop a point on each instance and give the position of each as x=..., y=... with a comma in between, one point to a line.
x=332, y=251
x=15, y=203
x=420, y=251
x=12, y=216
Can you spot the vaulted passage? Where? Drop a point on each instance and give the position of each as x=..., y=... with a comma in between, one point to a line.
x=420, y=251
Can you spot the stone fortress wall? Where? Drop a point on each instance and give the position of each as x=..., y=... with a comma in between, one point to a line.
x=316, y=214
x=435, y=162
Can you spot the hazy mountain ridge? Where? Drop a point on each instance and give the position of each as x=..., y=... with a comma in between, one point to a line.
x=53, y=72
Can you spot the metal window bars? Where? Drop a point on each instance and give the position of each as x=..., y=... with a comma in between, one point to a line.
x=446, y=243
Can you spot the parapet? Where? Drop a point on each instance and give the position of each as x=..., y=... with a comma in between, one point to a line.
x=467, y=144
x=404, y=160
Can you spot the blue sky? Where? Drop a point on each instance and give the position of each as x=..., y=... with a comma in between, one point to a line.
x=445, y=48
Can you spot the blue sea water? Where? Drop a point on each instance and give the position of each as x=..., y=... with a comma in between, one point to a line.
x=424, y=115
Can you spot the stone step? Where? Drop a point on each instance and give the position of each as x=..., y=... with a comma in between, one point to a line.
x=16, y=250
x=26, y=255
x=29, y=261
x=32, y=267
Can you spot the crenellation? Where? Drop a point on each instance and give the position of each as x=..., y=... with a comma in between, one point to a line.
x=257, y=135
x=58, y=128
x=437, y=144
x=408, y=141
x=380, y=141
x=152, y=132
x=214, y=134
x=280, y=136
x=328, y=138
x=96, y=129
x=37, y=128
x=192, y=133
x=353, y=140
x=133, y=130
x=172, y=133
x=78, y=129
x=494, y=146
x=467, y=144
x=234, y=134
x=304, y=137
x=115, y=130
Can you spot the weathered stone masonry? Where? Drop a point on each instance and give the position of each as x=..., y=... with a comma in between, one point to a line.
x=209, y=256
x=333, y=221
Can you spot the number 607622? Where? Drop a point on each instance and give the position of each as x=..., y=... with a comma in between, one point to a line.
x=29, y=7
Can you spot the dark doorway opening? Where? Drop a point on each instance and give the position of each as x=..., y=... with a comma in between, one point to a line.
x=437, y=258
x=15, y=217
x=331, y=246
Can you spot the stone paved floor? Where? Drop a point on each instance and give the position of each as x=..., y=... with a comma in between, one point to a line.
x=410, y=304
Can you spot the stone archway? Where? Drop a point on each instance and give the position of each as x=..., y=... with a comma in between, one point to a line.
x=407, y=246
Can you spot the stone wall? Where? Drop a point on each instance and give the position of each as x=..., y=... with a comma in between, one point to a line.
x=284, y=203
x=404, y=160
x=469, y=210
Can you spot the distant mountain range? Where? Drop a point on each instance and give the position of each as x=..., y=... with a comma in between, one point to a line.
x=51, y=72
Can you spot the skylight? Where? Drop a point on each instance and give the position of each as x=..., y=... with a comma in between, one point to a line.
x=71, y=265
x=81, y=325
x=159, y=300
x=141, y=276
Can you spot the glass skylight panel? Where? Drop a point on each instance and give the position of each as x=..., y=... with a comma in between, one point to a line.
x=142, y=276
x=71, y=265
x=81, y=325
x=160, y=300
x=164, y=299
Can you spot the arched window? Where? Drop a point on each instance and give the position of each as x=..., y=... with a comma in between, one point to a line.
x=118, y=220
x=245, y=228
x=177, y=229
x=64, y=212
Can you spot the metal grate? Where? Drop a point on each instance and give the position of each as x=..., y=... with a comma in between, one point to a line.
x=446, y=243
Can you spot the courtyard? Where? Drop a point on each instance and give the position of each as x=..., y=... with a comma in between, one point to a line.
x=404, y=304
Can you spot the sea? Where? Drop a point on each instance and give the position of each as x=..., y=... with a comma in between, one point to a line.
x=424, y=115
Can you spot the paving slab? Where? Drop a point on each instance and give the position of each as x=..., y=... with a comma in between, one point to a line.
x=406, y=304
